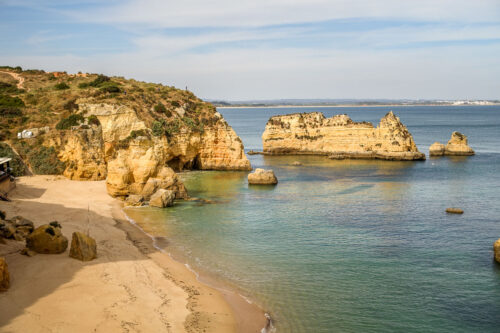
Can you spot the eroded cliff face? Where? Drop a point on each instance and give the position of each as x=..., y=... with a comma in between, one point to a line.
x=142, y=163
x=339, y=137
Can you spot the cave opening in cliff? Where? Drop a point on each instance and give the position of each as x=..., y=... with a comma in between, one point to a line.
x=178, y=164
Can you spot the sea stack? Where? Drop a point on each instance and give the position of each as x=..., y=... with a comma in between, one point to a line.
x=458, y=146
x=436, y=149
x=339, y=137
x=496, y=250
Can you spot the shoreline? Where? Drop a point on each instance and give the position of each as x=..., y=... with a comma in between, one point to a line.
x=249, y=316
x=130, y=286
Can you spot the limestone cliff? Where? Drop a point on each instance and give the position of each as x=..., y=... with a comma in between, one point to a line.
x=339, y=137
x=136, y=135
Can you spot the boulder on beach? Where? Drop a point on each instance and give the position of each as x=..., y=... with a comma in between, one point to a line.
x=436, y=149
x=262, y=177
x=134, y=200
x=83, y=247
x=17, y=228
x=454, y=210
x=47, y=239
x=496, y=250
x=4, y=275
x=458, y=145
x=162, y=198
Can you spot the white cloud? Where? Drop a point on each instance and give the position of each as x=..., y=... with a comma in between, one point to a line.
x=217, y=13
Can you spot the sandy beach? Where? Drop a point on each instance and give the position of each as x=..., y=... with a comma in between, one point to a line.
x=130, y=287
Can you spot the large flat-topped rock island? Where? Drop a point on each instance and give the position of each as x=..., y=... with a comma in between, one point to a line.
x=339, y=137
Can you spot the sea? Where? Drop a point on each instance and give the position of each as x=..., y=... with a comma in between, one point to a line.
x=352, y=245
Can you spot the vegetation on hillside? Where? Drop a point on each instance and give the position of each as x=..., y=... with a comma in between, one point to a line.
x=16, y=164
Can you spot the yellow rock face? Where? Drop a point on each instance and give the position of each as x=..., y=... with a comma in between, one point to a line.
x=458, y=146
x=128, y=169
x=340, y=137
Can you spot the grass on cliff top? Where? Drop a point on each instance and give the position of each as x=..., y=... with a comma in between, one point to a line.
x=49, y=99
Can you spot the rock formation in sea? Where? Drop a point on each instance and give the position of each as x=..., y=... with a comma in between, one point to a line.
x=339, y=137
x=496, y=250
x=262, y=177
x=456, y=146
x=436, y=149
x=134, y=135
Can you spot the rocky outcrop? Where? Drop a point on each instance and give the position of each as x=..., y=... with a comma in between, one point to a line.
x=262, y=177
x=134, y=200
x=339, y=137
x=496, y=250
x=162, y=198
x=143, y=163
x=83, y=247
x=458, y=146
x=4, y=275
x=17, y=228
x=436, y=149
x=47, y=239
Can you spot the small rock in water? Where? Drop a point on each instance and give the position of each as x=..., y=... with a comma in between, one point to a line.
x=296, y=163
x=4, y=275
x=496, y=250
x=262, y=177
x=454, y=210
x=83, y=247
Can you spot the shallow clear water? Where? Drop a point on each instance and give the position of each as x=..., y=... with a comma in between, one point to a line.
x=353, y=246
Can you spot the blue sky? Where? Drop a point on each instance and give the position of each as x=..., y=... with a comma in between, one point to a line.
x=264, y=49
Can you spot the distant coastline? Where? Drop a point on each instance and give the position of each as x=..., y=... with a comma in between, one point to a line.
x=347, y=102
x=244, y=106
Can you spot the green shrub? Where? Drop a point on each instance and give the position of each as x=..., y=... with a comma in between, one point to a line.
x=2, y=215
x=67, y=123
x=100, y=79
x=160, y=108
x=136, y=133
x=157, y=128
x=175, y=104
x=16, y=163
x=110, y=87
x=10, y=112
x=8, y=101
x=83, y=85
x=7, y=88
x=93, y=120
x=44, y=161
x=172, y=127
x=61, y=86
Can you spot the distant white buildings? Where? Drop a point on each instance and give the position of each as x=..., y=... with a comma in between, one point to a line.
x=32, y=132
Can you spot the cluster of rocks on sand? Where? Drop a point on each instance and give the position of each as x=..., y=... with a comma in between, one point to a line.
x=456, y=146
x=45, y=239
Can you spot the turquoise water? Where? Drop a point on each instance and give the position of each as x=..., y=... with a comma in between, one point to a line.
x=353, y=246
